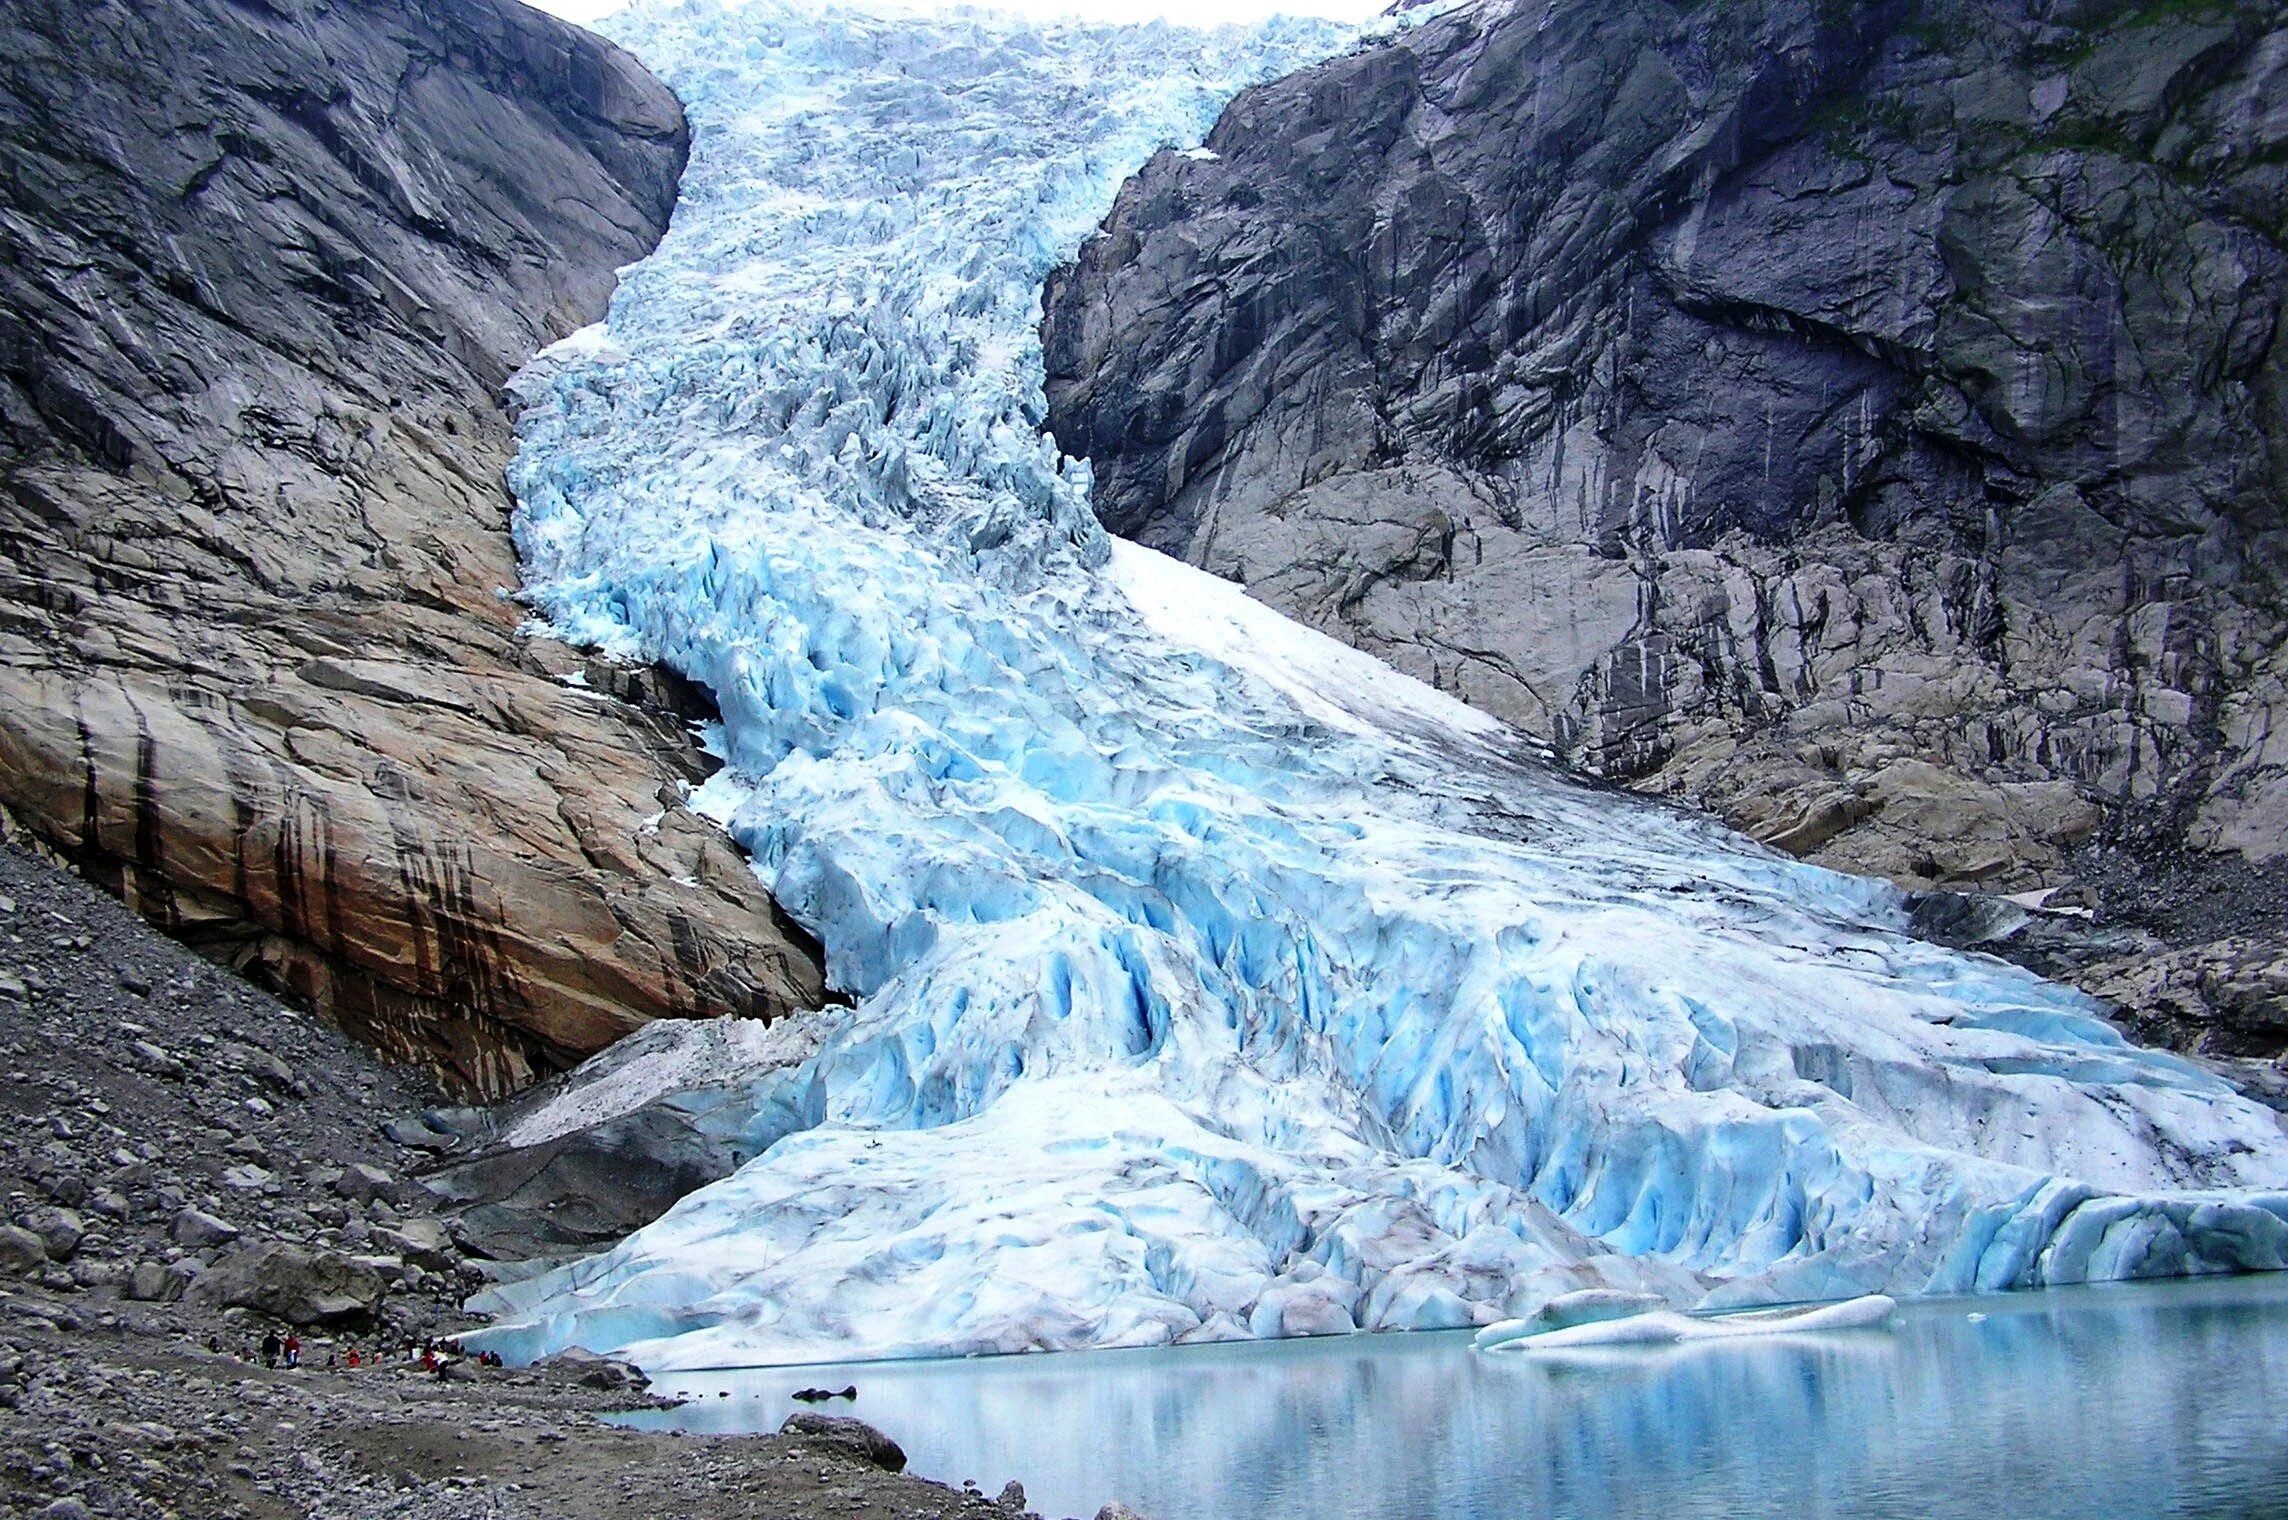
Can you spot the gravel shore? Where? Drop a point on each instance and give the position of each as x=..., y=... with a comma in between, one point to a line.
x=187, y=1162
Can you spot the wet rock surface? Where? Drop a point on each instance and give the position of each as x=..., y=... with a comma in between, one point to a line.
x=264, y=269
x=129, y=1189
x=1866, y=423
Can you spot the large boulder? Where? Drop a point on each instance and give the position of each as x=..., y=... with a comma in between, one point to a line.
x=154, y=1282
x=264, y=270
x=1869, y=422
x=22, y=1253
x=60, y=1230
x=855, y=1439
x=580, y=1365
x=298, y=1284
x=197, y=1230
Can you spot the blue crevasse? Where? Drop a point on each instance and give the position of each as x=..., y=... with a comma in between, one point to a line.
x=1211, y=979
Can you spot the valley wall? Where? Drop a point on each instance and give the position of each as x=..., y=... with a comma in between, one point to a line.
x=265, y=266
x=1867, y=422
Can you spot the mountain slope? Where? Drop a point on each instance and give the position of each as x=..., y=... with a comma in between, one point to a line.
x=265, y=266
x=1866, y=422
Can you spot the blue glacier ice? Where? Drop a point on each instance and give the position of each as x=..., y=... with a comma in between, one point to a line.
x=1209, y=979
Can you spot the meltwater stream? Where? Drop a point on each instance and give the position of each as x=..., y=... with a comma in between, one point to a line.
x=1209, y=980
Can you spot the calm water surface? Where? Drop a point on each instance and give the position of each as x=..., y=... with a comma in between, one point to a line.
x=2105, y=1403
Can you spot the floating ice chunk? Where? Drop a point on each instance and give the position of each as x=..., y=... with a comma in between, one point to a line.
x=1663, y=1327
x=1588, y=1306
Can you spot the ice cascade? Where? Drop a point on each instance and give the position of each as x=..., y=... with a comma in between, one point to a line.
x=1209, y=979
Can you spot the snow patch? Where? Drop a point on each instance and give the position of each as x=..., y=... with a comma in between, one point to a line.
x=1328, y=681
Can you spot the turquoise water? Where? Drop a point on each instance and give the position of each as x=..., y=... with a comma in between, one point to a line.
x=2106, y=1403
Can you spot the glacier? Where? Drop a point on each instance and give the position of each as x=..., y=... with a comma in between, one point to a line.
x=1207, y=978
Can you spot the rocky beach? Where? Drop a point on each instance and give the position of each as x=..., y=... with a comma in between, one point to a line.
x=185, y=1159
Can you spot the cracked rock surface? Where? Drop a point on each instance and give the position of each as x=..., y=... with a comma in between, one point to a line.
x=1870, y=423
x=264, y=268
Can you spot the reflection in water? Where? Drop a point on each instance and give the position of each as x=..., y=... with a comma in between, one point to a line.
x=2095, y=1403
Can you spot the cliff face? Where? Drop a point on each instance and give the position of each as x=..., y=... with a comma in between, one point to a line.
x=264, y=267
x=1870, y=422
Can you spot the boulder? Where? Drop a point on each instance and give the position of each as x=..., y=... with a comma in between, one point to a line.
x=424, y=1242
x=197, y=1230
x=589, y=1370
x=415, y=1134
x=851, y=1438
x=152, y=1282
x=22, y=1253
x=258, y=1063
x=154, y=1059
x=297, y=1284
x=362, y=1183
x=60, y=1230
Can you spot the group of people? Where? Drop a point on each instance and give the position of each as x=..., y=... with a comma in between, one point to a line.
x=275, y=1350
x=285, y=1350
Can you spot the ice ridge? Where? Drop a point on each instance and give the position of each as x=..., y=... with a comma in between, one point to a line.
x=1209, y=979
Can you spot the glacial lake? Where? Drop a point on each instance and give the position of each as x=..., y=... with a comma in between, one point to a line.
x=2102, y=1403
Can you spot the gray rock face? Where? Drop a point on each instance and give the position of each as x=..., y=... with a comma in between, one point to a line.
x=1870, y=423
x=264, y=267
x=298, y=1284
x=582, y=1191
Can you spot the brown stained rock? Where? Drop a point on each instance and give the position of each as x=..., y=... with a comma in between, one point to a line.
x=263, y=272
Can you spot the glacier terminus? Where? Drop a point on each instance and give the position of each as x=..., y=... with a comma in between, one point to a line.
x=1208, y=979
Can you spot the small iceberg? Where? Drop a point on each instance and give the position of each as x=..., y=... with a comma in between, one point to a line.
x=1666, y=1327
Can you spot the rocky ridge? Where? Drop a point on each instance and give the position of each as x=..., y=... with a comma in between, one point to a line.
x=1865, y=422
x=264, y=270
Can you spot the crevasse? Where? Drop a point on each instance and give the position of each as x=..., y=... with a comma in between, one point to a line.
x=1210, y=979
